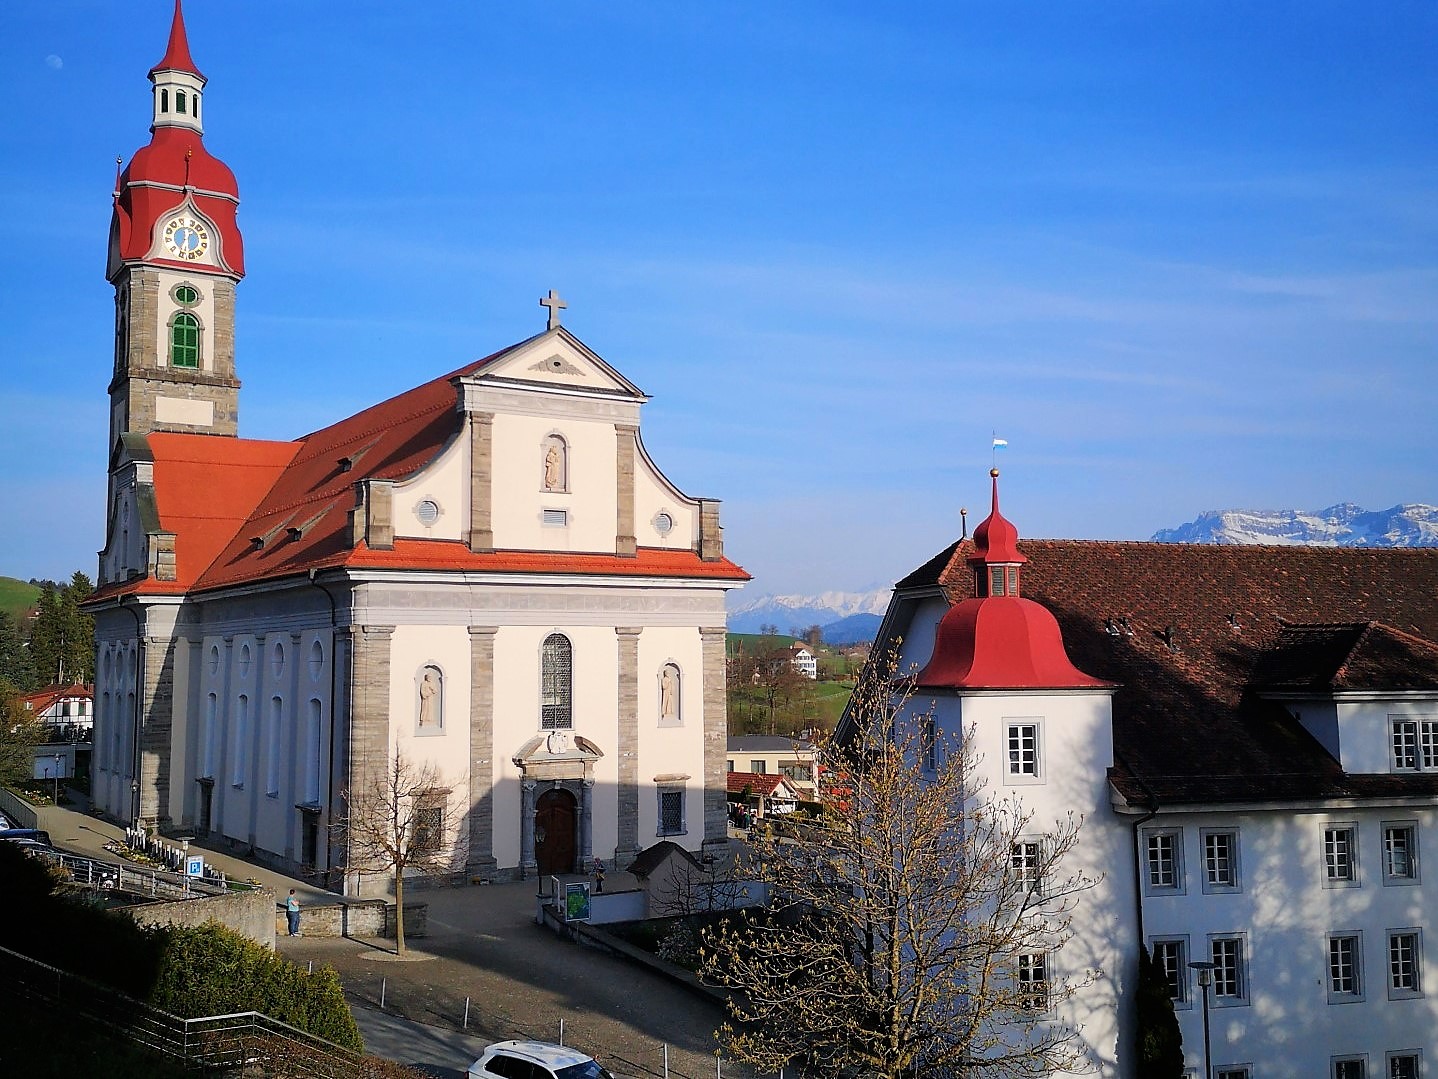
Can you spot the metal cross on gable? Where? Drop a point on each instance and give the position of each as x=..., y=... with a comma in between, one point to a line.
x=555, y=305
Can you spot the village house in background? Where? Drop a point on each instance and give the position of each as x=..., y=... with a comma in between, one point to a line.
x=66, y=716
x=1251, y=736
x=765, y=754
x=487, y=573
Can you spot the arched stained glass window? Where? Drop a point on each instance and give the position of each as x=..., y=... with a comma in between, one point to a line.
x=185, y=341
x=556, y=678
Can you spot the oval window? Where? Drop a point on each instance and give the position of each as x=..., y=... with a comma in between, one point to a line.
x=427, y=512
x=663, y=524
x=187, y=295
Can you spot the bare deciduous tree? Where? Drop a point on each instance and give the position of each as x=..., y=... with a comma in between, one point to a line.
x=912, y=929
x=402, y=820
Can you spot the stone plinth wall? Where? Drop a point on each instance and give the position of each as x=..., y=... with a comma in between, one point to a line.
x=249, y=913
x=360, y=918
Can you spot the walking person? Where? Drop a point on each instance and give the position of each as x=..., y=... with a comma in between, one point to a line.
x=292, y=913
x=598, y=876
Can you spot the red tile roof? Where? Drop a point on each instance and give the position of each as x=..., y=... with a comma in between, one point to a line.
x=36, y=703
x=1182, y=628
x=221, y=495
x=756, y=782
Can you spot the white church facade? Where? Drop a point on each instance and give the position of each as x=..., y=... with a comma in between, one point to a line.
x=1251, y=737
x=486, y=574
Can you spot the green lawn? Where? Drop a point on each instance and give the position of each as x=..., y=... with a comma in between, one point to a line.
x=17, y=597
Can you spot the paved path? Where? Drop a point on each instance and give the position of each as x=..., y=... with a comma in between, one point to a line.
x=520, y=978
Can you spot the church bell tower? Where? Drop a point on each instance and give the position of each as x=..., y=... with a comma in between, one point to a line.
x=175, y=256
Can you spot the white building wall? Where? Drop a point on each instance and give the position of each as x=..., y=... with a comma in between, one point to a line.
x=445, y=482
x=1075, y=751
x=1285, y=911
x=666, y=750
x=519, y=496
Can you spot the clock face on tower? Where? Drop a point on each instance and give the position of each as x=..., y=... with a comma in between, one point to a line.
x=186, y=237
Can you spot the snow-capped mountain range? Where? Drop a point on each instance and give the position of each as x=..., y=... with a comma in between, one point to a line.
x=1411, y=524
x=847, y=617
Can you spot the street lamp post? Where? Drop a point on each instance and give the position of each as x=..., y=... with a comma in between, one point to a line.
x=1205, y=979
x=57, y=779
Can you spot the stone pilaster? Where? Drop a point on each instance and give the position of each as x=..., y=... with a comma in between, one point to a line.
x=157, y=724
x=716, y=745
x=625, y=452
x=481, y=482
x=528, y=865
x=482, y=862
x=379, y=514
x=369, y=687
x=628, y=846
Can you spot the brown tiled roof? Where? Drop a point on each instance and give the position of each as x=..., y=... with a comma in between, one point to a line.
x=1362, y=655
x=1187, y=626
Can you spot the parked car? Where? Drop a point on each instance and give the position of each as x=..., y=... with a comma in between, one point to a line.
x=535, y=1060
x=27, y=836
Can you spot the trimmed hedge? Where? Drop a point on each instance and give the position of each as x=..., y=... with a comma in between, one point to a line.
x=210, y=970
x=187, y=971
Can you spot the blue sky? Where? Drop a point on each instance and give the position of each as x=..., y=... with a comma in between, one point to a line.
x=1182, y=256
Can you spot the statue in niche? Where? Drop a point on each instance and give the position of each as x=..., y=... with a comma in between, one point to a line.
x=554, y=464
x=429, y=699
x=668, y=693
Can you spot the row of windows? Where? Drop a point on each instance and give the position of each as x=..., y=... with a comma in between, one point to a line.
x=1400, y=1065
x=180, y=102
x=1220, y=870
x=1403, y=962
x=1405, y=1064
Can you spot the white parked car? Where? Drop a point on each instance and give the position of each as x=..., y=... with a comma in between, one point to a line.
x=535, y=1060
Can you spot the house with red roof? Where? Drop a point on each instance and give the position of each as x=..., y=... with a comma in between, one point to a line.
x=1250, y=736
x=487, y=574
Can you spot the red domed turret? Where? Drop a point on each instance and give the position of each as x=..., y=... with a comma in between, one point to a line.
x=176, y=175
x=998, y=640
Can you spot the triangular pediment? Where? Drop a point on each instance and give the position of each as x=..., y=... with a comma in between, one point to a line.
x=559, y=359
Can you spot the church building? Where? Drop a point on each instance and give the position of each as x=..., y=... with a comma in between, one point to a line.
x=486, y=575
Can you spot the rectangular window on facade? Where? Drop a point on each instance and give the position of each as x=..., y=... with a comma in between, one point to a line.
x=1415, y=743
x=929, y=741
x=1034, y=982
x=671, y=812
x=1350, y=1068
x=1403, y=1065
x=1345, y=971
x=1220, y=861
x=1026, y=859
x=1340, y=855
x=1405, y=977
x=1023, y=750
x=731, y=766
x=1163, y=858
x=1171, y=958
x=428, y=823
x=554, y=518
x=1241, y=1071
x=759, y=768
x=1400, y=852
x=1230, y=980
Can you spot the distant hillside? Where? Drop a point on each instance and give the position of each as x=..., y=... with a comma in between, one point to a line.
x=17, y=597
x=1411, y=524
x=856, y=629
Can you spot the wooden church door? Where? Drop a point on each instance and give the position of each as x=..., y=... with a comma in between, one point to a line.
x=554, y=820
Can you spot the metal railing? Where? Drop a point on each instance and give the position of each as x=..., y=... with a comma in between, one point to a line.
x=133, y=879
x=215, y=1042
